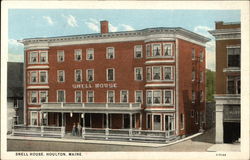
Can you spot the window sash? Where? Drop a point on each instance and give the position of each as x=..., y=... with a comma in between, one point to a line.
x=33, y=97
x=138, y=51
x=34, y=118
x=149, y=97
x=167, y=49
x=43, y=96
x=60, y=56
x=33, y=77
x=110, y=74
x=90, y=54
x=43, y=57
x=61, y=77
x=168, y=96
x=43, y=77
x=138, y=96
x=90, y=75
x=78, y=75
x=157, y=97
x=124, y=96
x=168, y=73
x=33, y=57
x=138, y=74
x=60, y=96
x=90, y=96
x=111, y=97
x=110, y=53
x=156, y=50
x=156, y=73
x=148, y=50
x=78, y=54
x=78, y=96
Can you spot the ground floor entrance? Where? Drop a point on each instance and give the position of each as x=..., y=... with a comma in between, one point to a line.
x=231, y=132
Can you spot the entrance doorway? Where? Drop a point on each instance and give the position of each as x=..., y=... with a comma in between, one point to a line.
x=231, y=132
x=157, y=122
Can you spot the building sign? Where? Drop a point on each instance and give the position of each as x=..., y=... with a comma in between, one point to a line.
x=231, y=113
x=96, y=85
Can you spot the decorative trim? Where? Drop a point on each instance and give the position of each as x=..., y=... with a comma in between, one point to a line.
x=38, y=67
x=159, y=85
x=226, y=34
x=159, y=61
x=38, y=87
x=158, y=110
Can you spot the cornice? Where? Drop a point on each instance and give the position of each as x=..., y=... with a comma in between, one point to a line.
x=146, y=35
x=226, y=34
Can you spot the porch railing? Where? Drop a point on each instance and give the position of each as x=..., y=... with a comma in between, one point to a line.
x=43, y=131
x=129, y=134
x=55, y=105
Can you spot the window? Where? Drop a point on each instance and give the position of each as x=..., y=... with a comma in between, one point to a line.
x=149, y=97
x=167, y=73
x=201, y=95
x=138, y=97
x=168, y=97
x=60, y=76
x=233, y=85
x=60, y=96
x=157, y=122
x=33, y=97
x=193, y=96
x=111, y=96
x=156, y=50
x=138, y=51
x=110, y=53
x=78, y=96
x=233, y=57
x=90, y=97
x=33, y=118
x=43, y=56
x=78, y=75
x=124, y=96
x=148, y=50
x=169, y=122
x=182, y=121
x=78, y=54
x=43, y=77
x=193, y=75
x=196, y=117
x=110, y=74
x=192, y=113
x=138, y=73
x=90, y=54
x=90, y=75
x=60, y=56
x=157, y=97
x=167, y=49
x=148, y=122
x=156, y=73
x=33, y=77
x=201, y=76
x=43, y=96
x=149, y=73
x=201, y=56
x=33, y=57
x=193, y=54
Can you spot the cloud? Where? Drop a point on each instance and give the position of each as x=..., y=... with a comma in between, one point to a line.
x=112, y=28
x=210, y=46
x=13, y=42
x=127, y=27
x=93, y=25
x=15, y=57
x=71, y=20
x=49, y=20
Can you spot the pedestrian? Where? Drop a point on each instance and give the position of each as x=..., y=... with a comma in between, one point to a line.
x=74, y=129
x=79, y=128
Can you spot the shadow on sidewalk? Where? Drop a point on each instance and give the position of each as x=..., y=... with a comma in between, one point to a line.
x=208, y=136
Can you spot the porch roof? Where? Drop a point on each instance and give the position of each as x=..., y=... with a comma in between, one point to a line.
x=92, y=107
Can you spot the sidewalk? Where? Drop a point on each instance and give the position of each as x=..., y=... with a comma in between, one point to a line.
x=225, y=147
x=79, y=140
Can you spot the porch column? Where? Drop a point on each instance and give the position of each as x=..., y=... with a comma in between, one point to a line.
x=107, y=126
x=62, y=119
x=83, y=125
x=140, y=121
x=219, y=123
x=130, y=130
x=41, y=119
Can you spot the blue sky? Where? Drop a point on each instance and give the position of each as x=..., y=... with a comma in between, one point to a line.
x=31, y=23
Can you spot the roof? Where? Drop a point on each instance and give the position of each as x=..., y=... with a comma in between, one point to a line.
x=15, y=79
x=143, y=32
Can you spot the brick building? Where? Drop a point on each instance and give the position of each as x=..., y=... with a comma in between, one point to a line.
x=227, y=96
x=150, y=79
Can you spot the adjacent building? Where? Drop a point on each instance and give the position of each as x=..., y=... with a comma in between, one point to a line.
x=150, y=79
x=14, y=94
x=228, y=53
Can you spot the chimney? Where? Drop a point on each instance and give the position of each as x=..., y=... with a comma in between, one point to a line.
x=104, y=27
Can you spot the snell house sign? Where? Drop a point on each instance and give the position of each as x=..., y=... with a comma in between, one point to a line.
x=96, y=85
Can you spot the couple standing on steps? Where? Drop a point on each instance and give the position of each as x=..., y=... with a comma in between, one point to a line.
x=76, y=129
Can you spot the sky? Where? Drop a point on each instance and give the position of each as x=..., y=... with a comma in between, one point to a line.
x=32, y=23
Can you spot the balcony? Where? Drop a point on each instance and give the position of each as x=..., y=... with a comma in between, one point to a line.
x=91, y=107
